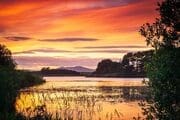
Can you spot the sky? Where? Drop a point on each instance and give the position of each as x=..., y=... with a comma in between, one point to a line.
x=58, y=33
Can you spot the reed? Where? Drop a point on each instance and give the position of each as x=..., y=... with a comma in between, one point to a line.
x=65, y=104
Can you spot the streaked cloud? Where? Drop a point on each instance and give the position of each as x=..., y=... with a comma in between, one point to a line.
x=54, y=17
x=75, y=4
x=23, y=52
x=17, y=38
x=113, y=46
x=73, y=28
x=42, y=50
x=103, y=51
x=50, y=50
x=69, y=39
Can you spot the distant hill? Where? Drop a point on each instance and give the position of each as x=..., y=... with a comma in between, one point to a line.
x=77, y=69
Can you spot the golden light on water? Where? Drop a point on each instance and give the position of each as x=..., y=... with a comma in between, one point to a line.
x=85, y=98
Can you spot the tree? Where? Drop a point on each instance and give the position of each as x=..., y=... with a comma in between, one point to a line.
x=127, y=66
x=8, y=85
x=170, y=13
x=107, y=66
x=6, y=60
x=163, y=70
x=11, y=81
x=131, y=65
x=134, y=62
x=164, y=83
x=164, y=31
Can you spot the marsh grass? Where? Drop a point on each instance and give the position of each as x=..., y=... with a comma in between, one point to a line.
x=65, y=104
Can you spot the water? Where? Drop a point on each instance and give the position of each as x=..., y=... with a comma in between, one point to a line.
x=84, y=98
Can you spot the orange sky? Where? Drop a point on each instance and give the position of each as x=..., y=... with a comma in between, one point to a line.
x=72, y=32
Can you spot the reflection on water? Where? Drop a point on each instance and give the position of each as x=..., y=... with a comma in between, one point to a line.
x=83, y=98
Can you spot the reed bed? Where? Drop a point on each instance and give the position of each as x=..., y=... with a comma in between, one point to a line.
x=64, y=104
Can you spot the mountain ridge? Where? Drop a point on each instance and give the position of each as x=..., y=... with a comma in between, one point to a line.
x=78, y=69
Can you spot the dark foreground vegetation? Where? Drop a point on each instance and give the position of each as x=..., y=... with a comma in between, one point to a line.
x=11, y=81
x=163, y=70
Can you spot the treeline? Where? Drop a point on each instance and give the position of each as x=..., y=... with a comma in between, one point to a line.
x=132, y=65
x=57, y=72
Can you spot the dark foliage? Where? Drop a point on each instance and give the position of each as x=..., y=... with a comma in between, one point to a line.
x=170, y=13
x=58, y=72
x=6, y=60
x=134, y=62
x=107, y=66
x=163, y=70
x=132, y=65
x=164, y=84
x=11, y=81
x=164, y=32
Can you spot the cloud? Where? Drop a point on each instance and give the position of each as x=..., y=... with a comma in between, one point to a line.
x=23, y=52
x=43, y=50
x=50, y=50
x=96, y=49
x=69, y=39
x=17, y=38
x=58, y=17
x=113, y=21
x=104, y=51
x=79, y=4
x=111, y=47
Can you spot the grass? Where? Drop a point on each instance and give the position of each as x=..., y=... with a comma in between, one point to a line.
x=69, y=105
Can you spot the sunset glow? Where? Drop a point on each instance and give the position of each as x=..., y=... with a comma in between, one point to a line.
x=73, y=32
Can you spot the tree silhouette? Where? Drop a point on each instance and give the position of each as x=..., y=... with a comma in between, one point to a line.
x=6, y=60
x=163, y=70
x=11, y=81
x=164, y=31
x=107, y=66
x=170, y=13
x=131, y=65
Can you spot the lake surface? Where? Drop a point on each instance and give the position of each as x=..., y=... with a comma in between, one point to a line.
x=81, y=98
